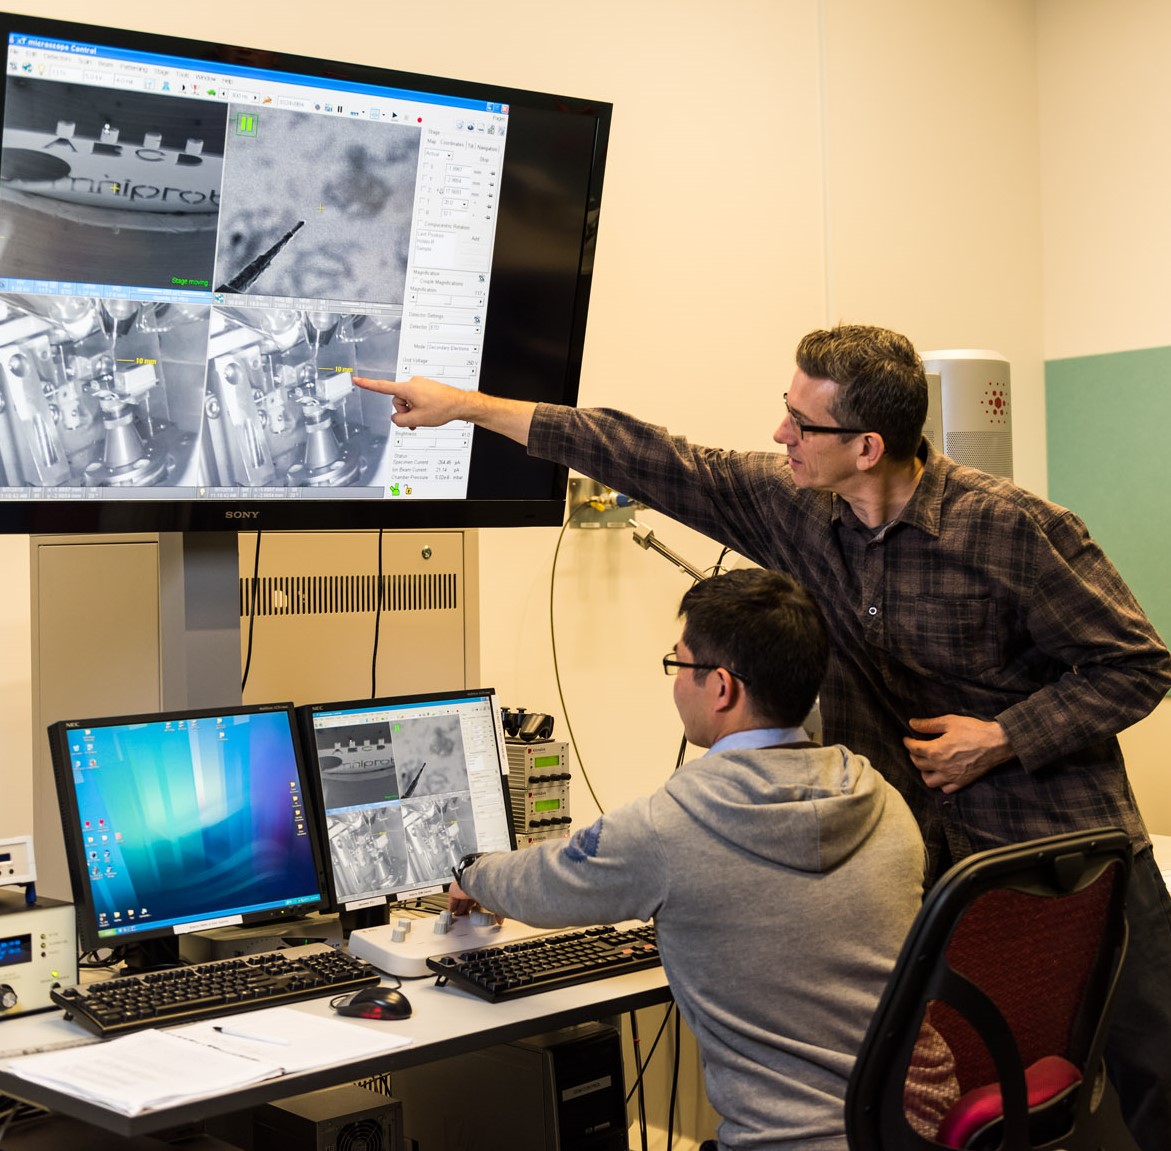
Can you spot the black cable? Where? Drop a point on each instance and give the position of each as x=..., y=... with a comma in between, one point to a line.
x=378, y=605
x=255, y=592
x=636, y=1043
x=674, y=1084
x=18, y=1110
x=556, y=668
x=650, y=1054
x=7, y=1121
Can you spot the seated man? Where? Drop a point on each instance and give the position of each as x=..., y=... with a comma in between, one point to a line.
x=782, y=876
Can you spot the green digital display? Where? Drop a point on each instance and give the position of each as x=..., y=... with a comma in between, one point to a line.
x=547, y=805
x=546, y=761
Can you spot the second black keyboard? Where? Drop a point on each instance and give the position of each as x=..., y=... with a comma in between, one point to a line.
x=528, y=966
x=185, y=994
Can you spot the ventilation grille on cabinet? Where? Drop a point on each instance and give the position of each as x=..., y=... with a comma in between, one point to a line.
x=349, y=594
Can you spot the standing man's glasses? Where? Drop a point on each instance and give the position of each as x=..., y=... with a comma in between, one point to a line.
x=804, y=429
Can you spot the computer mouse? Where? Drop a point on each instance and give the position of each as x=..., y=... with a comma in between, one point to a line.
x=376, y=1003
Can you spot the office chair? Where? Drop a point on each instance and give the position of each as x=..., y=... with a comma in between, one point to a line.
x=989, y=1036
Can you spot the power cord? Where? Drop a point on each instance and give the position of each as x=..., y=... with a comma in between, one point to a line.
x=556, y=666
x=636, y=1043
x=252, y=598
x=650, y=1054
x=378, y=606
x=674, y=1084
x=17, y=1110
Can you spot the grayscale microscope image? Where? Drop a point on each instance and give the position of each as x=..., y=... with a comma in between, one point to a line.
x=100, y=393
x=282, y=409
x=314, y=207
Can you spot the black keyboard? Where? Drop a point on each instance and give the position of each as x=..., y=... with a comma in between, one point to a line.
x=184, y=994
x=510, y=970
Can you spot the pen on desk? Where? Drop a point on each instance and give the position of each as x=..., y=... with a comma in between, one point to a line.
x=234, y=1034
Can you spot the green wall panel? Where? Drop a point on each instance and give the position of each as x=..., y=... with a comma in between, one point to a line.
x=1108, y=430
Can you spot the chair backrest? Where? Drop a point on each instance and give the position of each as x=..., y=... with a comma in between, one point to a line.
x=990, y=1032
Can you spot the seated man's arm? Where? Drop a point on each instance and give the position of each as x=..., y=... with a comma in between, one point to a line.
x=608, y=872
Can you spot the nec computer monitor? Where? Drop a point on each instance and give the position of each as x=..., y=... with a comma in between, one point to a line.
x=408, y=786
x=201, y=245
x=185, y=821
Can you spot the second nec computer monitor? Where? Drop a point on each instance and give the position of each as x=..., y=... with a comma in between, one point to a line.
x=205, y=243
x=408, y=785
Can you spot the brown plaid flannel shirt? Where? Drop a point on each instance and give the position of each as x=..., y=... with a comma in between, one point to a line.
x=981, y=599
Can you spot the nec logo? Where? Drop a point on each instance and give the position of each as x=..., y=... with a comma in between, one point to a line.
x=241, y=515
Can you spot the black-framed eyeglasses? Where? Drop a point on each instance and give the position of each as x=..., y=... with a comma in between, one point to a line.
x=671, y=665
x=804, y=429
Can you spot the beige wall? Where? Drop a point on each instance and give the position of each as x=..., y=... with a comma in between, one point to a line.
x=1104, y=106
x=774, y=165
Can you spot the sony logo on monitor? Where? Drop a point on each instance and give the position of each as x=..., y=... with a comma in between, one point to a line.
x=230, y=515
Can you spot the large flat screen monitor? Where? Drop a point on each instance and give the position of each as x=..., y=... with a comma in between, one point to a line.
x=407, y=786
x=185, y=821
x=201, y=245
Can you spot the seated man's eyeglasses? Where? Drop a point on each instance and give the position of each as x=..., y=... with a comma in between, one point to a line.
x=804, y=429
x=671, y=665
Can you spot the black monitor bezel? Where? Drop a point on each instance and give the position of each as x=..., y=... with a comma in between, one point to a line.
x=305, y=714
x=497, y=464
x=83, y=899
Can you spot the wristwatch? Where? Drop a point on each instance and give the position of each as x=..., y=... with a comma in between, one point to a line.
x=457, y=872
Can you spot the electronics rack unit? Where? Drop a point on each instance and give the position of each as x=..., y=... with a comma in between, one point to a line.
x=538, y=786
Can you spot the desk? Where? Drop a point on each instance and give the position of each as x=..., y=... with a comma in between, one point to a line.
x=446, y=1021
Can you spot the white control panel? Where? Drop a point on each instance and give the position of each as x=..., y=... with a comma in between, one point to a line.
x=38, y=950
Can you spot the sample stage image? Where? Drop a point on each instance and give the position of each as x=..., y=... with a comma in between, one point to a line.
x=357, y=767
x=316, y=206
x=282, y=407
x=439, y=832
x=429, y=756
x=109, y=187
x=100, y=393
x=368, y=850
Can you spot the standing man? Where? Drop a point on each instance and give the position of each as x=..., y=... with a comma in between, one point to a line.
x=782, y=876
x=984, y=651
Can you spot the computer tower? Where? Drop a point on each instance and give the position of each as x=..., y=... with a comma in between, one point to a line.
x=348, y=1118
x=561, y=1091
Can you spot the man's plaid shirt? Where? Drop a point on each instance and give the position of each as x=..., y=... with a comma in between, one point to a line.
x=981, y=599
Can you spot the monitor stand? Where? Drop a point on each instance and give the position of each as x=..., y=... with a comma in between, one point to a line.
x=151, y=955
x=251, y=939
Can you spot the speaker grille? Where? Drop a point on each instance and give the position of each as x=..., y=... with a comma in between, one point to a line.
x=988, y=451
x=349, y=594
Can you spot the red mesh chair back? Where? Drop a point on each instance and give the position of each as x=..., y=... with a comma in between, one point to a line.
x=990, y=1032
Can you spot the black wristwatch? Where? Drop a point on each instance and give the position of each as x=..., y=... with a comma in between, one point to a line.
x=457, y=872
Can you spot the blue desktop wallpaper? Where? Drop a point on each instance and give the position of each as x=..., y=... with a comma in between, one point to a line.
x=194, y=819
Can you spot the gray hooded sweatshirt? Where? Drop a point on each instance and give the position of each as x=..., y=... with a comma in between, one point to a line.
x=782, y=882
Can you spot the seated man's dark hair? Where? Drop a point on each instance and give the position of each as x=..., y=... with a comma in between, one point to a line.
x=882, y=385
x=764, y=626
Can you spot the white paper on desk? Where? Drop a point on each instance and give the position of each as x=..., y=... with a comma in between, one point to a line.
x=143, y=1071
x=295, y=1039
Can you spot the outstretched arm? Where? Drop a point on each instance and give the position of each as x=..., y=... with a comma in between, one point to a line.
x=423, y=403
